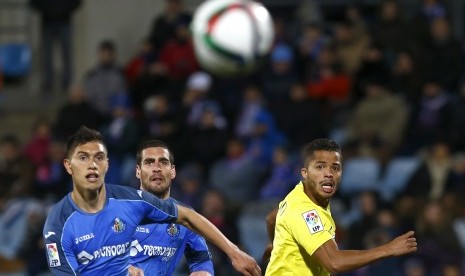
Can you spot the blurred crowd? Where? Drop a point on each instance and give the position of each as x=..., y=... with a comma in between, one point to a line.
x=386, y=84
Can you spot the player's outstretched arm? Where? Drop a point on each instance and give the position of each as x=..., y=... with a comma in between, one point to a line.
x=337, y=261
x=200, y=273
x=242, y=262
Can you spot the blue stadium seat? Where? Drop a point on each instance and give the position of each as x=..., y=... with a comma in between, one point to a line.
x=252, y=227
x=397, y=175
x=15, y=59
x=360, y=174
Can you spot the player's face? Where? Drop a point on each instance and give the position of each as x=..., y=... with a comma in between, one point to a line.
x=156, y=171
x=322, y=176
x=88, y=165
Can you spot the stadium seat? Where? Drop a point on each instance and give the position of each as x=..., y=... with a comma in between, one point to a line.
x=360, y=174
x=252, y=227
x=397, y=175
x=15, y=59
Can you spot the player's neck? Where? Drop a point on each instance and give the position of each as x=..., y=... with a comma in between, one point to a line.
x=164, y=196
x=322, y=202
x=90, y=201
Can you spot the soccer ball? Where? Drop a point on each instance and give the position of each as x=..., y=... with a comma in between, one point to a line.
x=231, y=37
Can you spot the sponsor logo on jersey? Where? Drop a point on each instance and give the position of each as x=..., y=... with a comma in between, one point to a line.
x=135, y=248
x=49, y=234
x=164, y=252
x=85, y=257
x=173, y=230
x=313, y=221
x=53, y=256
x=139, y=192
x=118, y=225
x=84, y=238
x=141, y=229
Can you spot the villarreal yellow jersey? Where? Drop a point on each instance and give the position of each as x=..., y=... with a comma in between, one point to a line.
x=301, y=228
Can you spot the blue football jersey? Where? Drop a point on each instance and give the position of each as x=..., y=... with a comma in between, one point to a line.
x=80, y=243
x=158, y=248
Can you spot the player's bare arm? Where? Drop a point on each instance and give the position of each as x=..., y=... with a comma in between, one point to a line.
x=337, y=261
x=200, y=273
x=242, y=262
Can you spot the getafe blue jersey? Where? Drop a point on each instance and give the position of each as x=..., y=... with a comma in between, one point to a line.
x=158, y=248
x=80, y=243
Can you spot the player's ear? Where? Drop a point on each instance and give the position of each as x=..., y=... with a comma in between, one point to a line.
x=173, y=172
x=138, y=172
x=67, y=165
x=303, y=172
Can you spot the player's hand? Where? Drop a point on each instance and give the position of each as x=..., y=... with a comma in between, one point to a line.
x=135, y=271
x=245, y=264
x=404, y=244
x=267, y=254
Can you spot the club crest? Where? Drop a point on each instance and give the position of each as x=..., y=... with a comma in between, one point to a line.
x=172, y=230
x=118, y=225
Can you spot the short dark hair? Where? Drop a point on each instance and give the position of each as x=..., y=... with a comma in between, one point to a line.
x=108, y=45
x=82, y=136
x=153, y=144
x=319, y=144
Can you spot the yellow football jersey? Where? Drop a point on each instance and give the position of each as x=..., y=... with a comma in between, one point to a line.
x=301, y=228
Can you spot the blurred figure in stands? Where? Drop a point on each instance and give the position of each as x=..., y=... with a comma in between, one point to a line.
x=76, y=112
x=105, y=80
x=56, y=24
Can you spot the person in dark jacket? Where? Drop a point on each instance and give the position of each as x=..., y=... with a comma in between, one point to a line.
x=56, y=18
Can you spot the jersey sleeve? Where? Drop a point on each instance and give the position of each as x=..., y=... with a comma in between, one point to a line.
x=198, y=256
x=159, y=210
x=309, y=229
x=145, y=204
x=60, y=257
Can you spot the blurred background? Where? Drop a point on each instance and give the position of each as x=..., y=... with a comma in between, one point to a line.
x=385, y=79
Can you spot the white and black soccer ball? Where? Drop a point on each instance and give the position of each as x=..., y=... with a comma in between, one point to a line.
x=232, y=37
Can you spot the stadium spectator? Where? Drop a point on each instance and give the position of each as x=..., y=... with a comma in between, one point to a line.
x=406, y=78
x=390, y=29
x=121, y=133
x=438, y=241
x=164, y=25
x=282, y=177
x=378, y=122
x=76, y=112
x=278, y=77
x=215, y=208
x=441, y=56
x=350, y=41
x=301, y=117
x=177, y=58
x=430, y=117
x=237, y=176
x=56, y=24
x=105, y=79
x=37, y=146
x=432, y=178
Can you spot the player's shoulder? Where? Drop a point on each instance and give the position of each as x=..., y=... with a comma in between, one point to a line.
x=175, y=201
x=123, y=192
x=60, y=212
